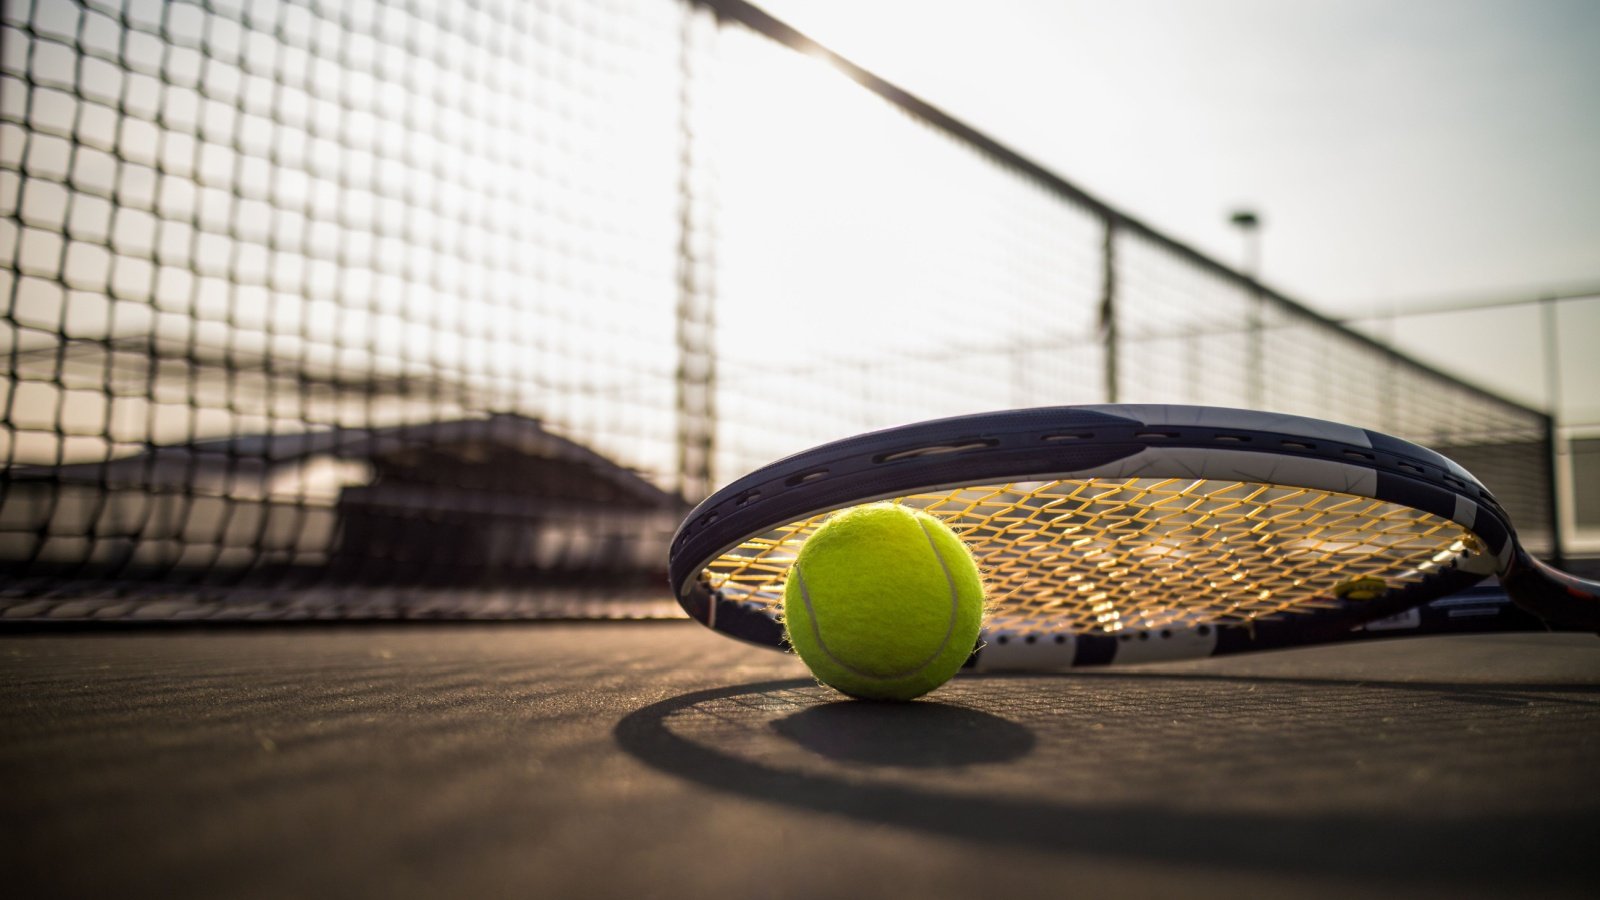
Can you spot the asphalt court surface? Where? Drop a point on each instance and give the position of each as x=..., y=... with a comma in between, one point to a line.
x=655, y=759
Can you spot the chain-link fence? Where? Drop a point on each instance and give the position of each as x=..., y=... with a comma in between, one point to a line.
x=451, y=308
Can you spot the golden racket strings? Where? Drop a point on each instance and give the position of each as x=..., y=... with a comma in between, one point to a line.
x=1104, y=555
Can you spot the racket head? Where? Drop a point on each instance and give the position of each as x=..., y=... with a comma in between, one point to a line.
x=1135, y=531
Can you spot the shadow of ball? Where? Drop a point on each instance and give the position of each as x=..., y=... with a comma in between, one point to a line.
x=920, y=735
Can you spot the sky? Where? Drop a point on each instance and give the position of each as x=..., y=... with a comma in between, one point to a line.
x=1400, y=155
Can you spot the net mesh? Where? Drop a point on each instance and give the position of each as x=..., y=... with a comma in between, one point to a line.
x=1103, y=555
x=453, y=308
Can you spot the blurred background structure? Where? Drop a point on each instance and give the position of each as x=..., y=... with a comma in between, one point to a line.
x=412, y=309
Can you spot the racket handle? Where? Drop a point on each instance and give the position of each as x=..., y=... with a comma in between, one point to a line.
x=1551, y=593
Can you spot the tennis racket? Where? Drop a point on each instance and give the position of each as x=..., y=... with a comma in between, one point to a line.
x=1129, y=533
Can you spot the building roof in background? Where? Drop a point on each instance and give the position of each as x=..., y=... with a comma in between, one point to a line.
x=263, y=465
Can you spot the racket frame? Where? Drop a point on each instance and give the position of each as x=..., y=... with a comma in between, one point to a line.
x=1123, y=441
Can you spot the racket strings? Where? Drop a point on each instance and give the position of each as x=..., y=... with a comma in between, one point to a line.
x=1104, y=555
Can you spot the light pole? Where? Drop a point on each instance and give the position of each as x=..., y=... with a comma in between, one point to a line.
x=1249, y=223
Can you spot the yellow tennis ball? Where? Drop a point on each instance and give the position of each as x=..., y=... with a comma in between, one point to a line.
x=883, y=602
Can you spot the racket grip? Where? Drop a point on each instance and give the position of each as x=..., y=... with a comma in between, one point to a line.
x=1552, y=594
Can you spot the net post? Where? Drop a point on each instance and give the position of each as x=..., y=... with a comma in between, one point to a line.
x=1552, y=444
x=1108, y=306
x=1551, y=335
x=695, y=375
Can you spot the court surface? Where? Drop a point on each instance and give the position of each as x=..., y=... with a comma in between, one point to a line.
x=655, y=759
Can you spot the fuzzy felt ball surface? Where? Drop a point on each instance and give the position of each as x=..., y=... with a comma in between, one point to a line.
x=883, y=602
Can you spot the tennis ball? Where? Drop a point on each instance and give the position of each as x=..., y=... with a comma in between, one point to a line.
x=883, y=602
